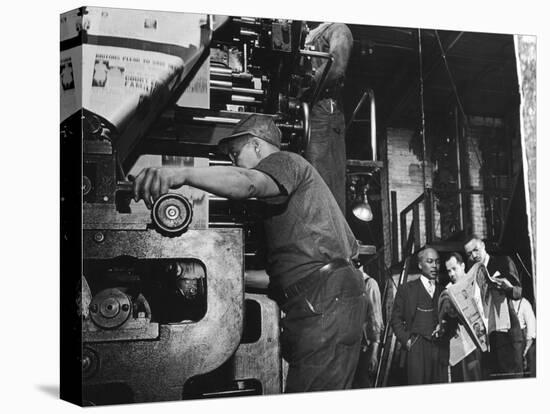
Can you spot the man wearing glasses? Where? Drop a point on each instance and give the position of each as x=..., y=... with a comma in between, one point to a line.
x=505, y=344
x=309, y=249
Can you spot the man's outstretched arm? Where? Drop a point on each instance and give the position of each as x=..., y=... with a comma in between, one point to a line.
x=231, y=182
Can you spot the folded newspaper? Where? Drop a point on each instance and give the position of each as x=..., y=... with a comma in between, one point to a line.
x=468, y=297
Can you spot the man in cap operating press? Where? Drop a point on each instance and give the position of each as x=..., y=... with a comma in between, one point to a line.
x=309, y=249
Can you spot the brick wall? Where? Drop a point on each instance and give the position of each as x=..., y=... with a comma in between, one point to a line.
x=480, y=128
x=405, y=175
x=477, y=205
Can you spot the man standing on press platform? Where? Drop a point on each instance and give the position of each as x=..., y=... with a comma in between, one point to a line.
x=505, y=358
x=414, y=321
x=327, y=147
x=309, y=249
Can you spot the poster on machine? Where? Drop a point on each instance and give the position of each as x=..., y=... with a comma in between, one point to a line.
x=123, y=59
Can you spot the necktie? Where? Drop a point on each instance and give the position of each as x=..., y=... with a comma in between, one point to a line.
x=431, y=286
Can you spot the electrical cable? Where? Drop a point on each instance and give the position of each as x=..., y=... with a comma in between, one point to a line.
x=422, y=113
x=455, y=91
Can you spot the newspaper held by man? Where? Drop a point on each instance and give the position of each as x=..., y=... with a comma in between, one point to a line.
x=468, y=297
x=460, y=346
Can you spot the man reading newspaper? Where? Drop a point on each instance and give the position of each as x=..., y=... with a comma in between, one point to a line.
x=464, y=356
x=483, y=301
x=461, y=301
x=501, y=288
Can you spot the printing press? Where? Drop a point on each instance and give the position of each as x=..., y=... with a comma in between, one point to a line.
x=162, y=299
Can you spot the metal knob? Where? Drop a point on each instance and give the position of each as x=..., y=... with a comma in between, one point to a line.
x=110, y=308
x=172, y=214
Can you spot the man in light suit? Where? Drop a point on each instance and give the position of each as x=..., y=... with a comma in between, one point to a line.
x=504, y=359
x=414, y=321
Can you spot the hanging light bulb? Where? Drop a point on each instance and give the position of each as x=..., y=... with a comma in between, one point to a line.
x=362, y=209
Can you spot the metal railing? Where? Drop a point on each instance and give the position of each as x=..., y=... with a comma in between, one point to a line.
x=494, y=205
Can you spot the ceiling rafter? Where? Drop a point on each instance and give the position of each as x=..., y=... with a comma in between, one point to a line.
x=432, y=63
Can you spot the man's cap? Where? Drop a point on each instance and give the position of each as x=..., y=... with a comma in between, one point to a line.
x=258, y=125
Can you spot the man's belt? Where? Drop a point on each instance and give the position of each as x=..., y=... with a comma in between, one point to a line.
x=331, y=93
x=282, y=295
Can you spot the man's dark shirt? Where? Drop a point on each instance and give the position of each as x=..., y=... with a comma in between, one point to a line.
x=305, y=228
x=335, y=38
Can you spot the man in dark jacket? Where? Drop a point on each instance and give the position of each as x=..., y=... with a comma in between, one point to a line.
x=414, y=321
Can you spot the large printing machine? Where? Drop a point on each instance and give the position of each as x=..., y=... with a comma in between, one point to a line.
x=162, y=299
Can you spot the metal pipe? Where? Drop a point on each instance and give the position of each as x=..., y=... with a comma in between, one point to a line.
x=455, y=40
x=372, y=123
x=307, y=124
x=237, y=90
x=356, y=110
x=432, y=69
x=247, y=20
x=217, y=119
x=422, y=114
x=221, y=84
x=221, y=71
x=228, y=73
x=459, y=171
x=370, y=94
x=227, y=86
x=248, y=90
x=250, y=33
x=241, y=98
x=245, y=58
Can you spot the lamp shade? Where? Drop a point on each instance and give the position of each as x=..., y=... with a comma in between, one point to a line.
x=363, y=211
